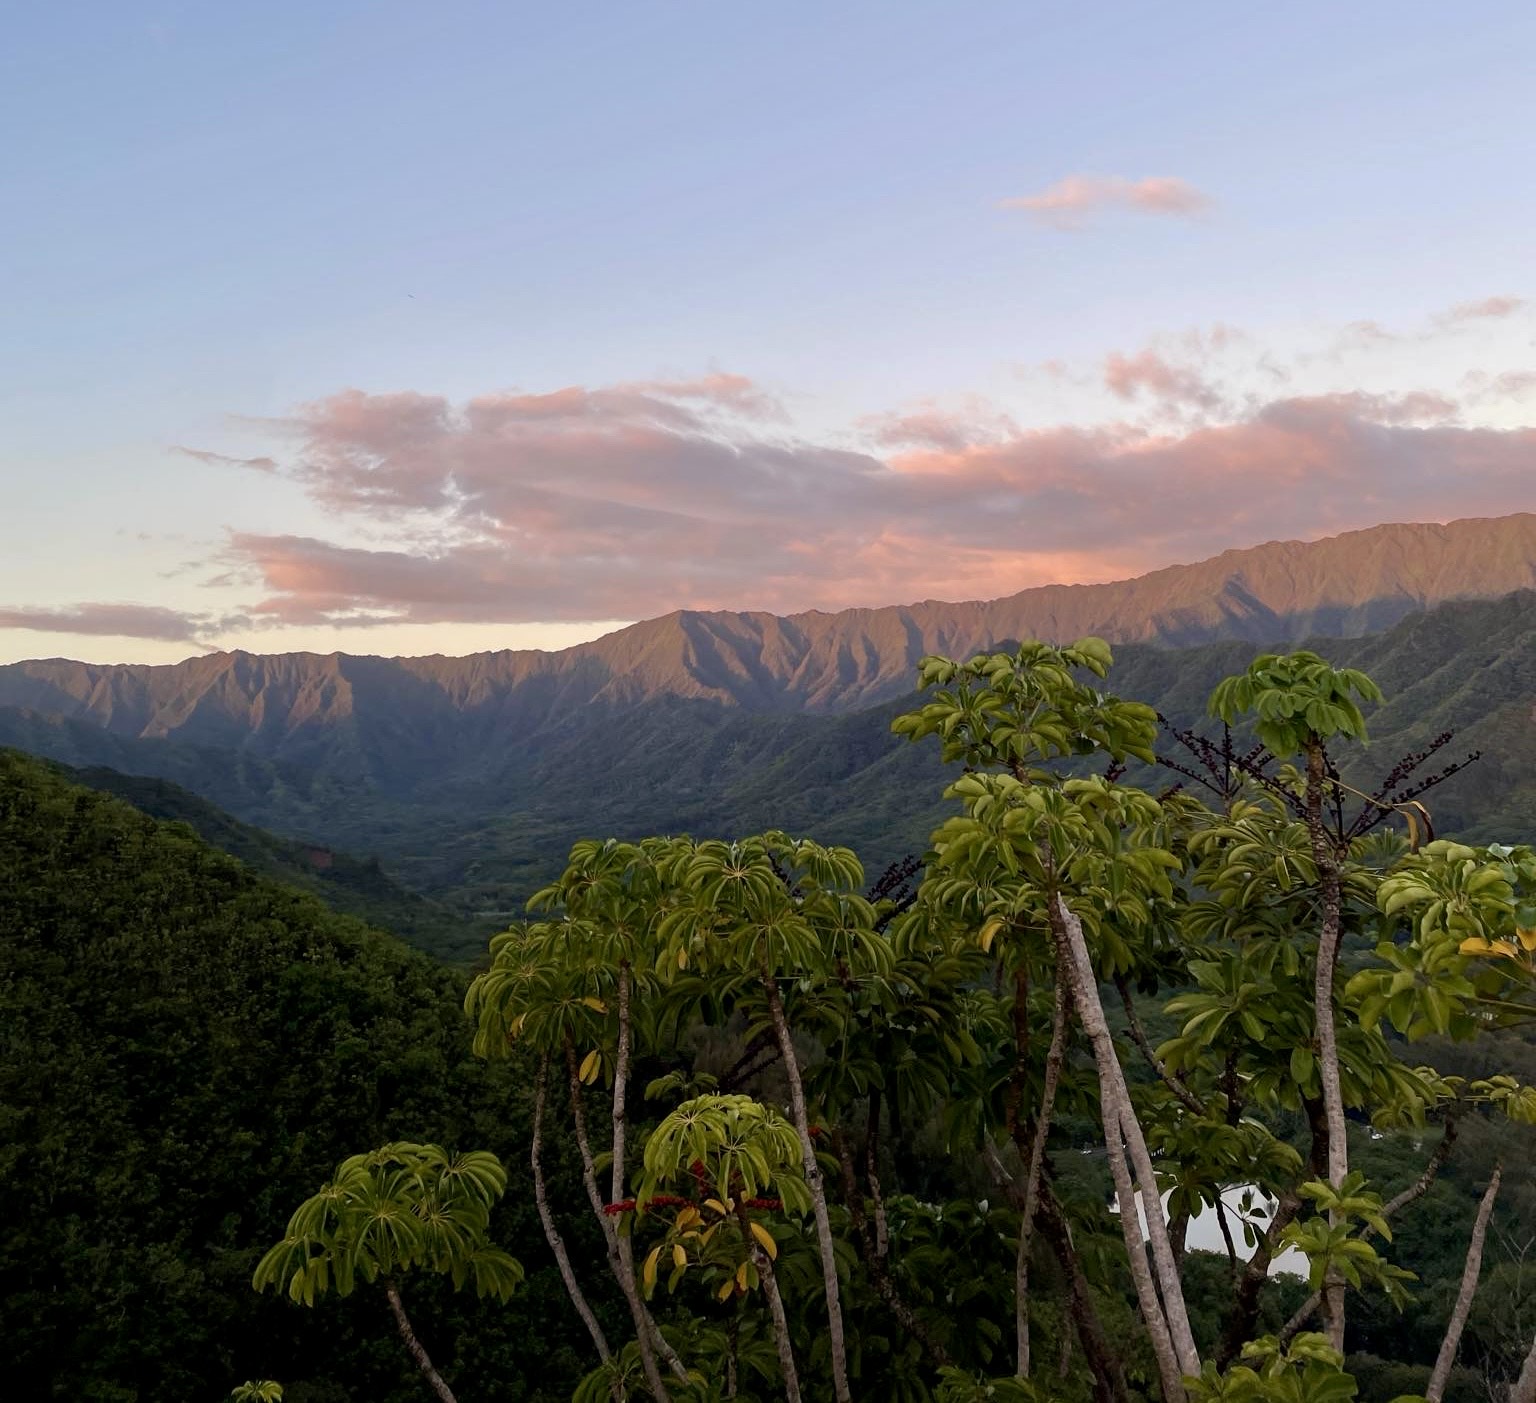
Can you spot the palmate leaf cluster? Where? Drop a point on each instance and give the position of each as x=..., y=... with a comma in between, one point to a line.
x=394, y=1210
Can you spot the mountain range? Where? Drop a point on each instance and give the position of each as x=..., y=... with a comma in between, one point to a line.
x=470, y=776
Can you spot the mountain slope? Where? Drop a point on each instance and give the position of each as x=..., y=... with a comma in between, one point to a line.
x=482, y=837
x=396, y=723
x=349, y=885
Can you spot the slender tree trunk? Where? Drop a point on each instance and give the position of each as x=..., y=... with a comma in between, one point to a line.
x=1109, y=1384
x=1329, y=938
x=1168, y=1320
x=547, y=1218
x=1054, y=1058
x=1447, y=1357
x=1226, y=1234
x=417, y=1352
x=1163, y=1348
x=781, y=1336
x=617, y=1175
x=814, y=1183
x=872, y=1175
x=1524, y=1390
x=645, y=1327
x=1178, y=1232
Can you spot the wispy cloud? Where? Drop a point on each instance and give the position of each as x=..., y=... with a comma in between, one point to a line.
x=1503, y=387
x=224, y=460
x=1071, y=202
x=1366, y=336
x=113, y=621
x=1152, y=375
x=1486, y=309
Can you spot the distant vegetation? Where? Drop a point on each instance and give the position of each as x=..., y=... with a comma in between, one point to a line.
x=352, y=886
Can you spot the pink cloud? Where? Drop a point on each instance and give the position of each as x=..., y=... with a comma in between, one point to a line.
x=1068, y=203
x=1151, y=374
x=624, y=502
x=1507, y=385
x=734, y=393
x=929, y=425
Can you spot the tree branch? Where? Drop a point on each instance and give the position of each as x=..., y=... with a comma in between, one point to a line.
x=1474, y=1265
x=1139, y=1036
x=547, y=1218
x=1413, y=1192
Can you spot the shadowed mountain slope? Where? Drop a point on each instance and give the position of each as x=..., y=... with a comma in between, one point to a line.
x=349, y=885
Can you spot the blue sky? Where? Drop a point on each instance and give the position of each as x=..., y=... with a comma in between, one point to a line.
x=222, y=217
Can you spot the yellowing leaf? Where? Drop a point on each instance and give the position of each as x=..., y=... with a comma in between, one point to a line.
x=687, y=1217
x=765, y=1241
x=679, y=1255
x=716, y=1205
x=682, y=957
x=724, y=1292
x=1475, y=945
x=591, y=1065
x=741, y=1276
x=1527, y=938
x=988, y=933
x=592, y=1001
x=648, y=1271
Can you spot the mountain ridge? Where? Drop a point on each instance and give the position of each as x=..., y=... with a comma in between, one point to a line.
x=479, y=822
x=1349, y=585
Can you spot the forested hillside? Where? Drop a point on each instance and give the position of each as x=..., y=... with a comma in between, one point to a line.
x=350, y=885
x=185, y=1048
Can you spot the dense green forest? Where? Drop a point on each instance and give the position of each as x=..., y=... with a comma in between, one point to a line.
x=187, y=1047
x=798, y=1130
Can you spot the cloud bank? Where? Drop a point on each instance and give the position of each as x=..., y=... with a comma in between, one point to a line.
x=633, y=499
x=624, y=502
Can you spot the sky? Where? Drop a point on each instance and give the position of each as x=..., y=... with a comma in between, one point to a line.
x=396, y=328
